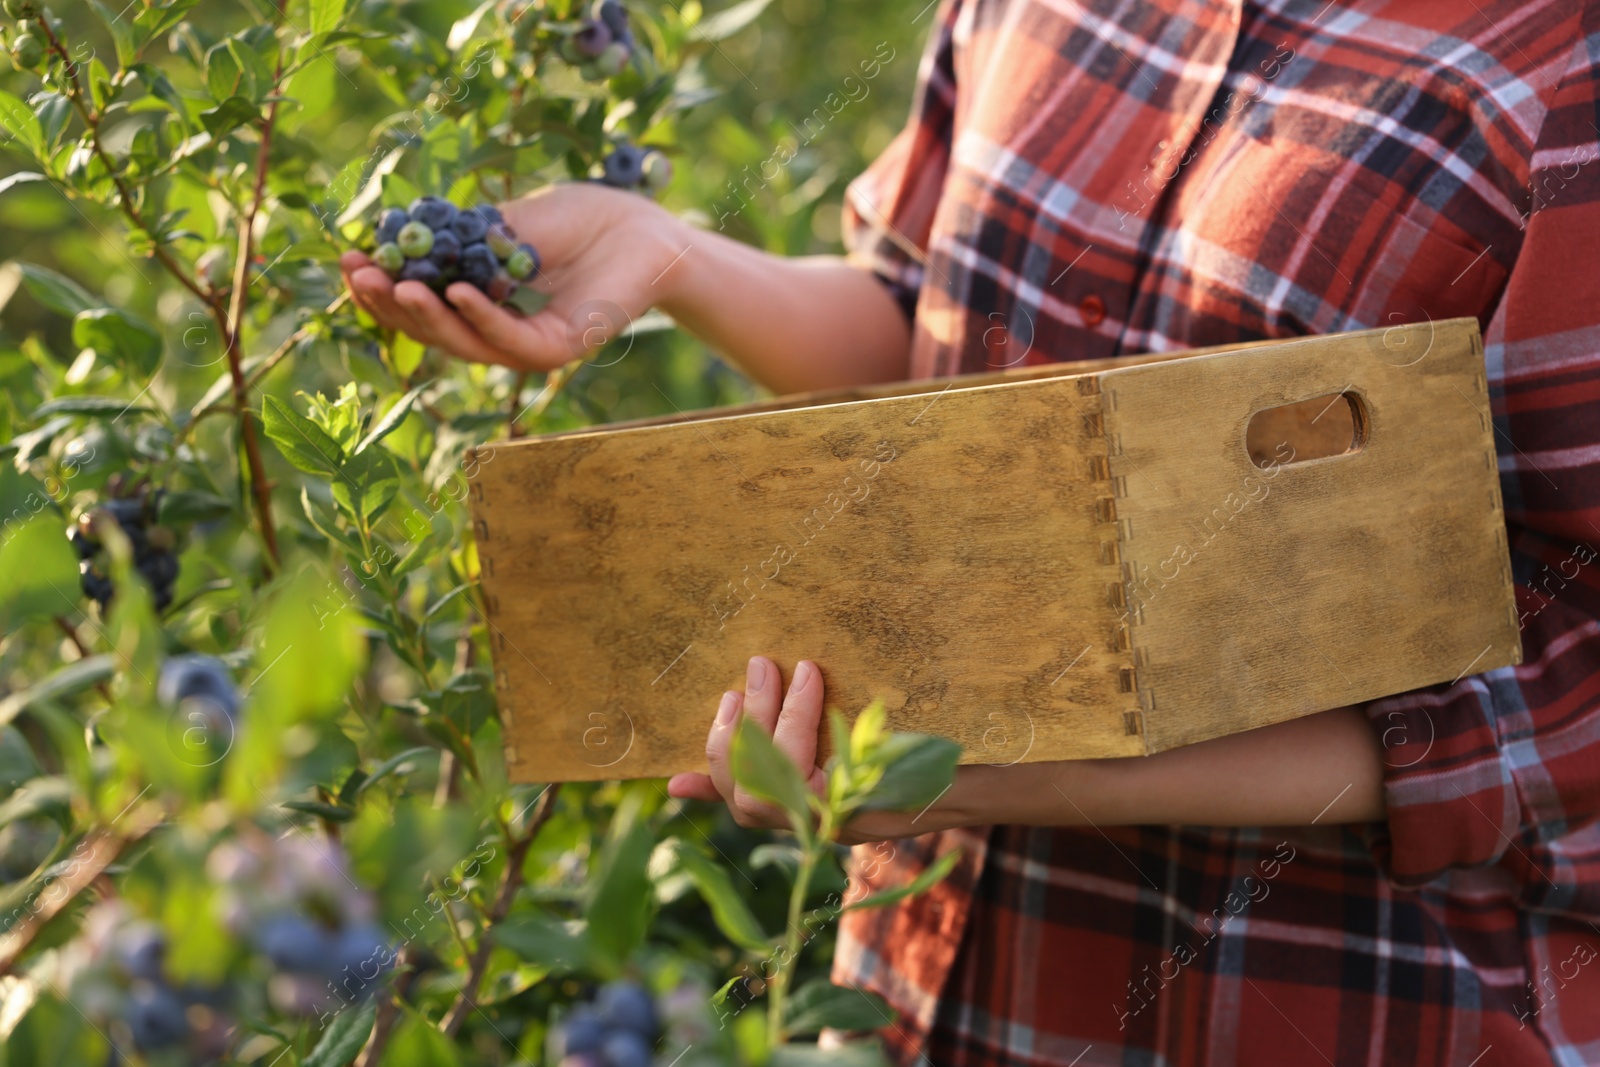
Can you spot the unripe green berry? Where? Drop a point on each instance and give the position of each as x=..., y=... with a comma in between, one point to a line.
x=657, y=171
x=415, y=240
x=613, y=60
x=520, y=265
x=500, y=242
x=389, y=258
x=27, y=52
x=18, y=9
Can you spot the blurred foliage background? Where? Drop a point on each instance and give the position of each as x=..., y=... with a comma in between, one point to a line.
x=361, y=756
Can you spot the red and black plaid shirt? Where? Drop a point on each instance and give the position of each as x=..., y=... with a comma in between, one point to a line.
x=1089, y=178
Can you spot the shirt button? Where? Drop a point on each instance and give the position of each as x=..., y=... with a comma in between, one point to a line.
x=1093, y=310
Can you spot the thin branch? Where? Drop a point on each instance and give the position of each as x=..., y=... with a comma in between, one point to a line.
x=83, y=651
x=510, y=882
x=388, y=1011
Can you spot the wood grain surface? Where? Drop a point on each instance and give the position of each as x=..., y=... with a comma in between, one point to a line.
x=969, y=551
x=1261, y=593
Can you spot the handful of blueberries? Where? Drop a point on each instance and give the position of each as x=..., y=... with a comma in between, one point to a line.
x=436, y=243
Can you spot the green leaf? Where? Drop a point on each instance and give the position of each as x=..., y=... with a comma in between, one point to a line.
x=121, y=30
x=418, y=1043
x=852, y=1055
x=395, y=765
x=184, y=506
x=619, y=903
x=19, y=178
x=50, y=797
x=930, y=875
x=119, y=337
x=228, y=116
x=331, y=812
x=728, y=908
x=302, y=442
x=392, y=418
x=726, y=23
x=917, y=769
x=88, y=405
x=559, y=946
x=345, y=1035
x=18, y=120
x=75, y=677
x=56, y=291
x=325, y=15
x=820, y=1004
x=764, y=771
x=367, y=484
x=34, y=442
x=38, y=573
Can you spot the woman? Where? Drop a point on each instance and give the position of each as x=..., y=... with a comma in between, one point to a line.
x=1416, y=881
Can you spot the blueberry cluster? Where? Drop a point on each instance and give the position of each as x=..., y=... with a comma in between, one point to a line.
x=119, y=975
x=154, y=547
x=292, y=900
x=603, y=44
x=435, y=243
x=619, y=1028
x=27, y=50
x=628, y=166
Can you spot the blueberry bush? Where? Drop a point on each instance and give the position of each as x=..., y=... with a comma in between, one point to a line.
x=253, y=806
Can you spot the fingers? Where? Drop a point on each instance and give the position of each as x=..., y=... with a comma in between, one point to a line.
x=792, y=719
x=540, y=341
x=436, y=323
x=801, y=717
x=693, y=787
x=719, y=745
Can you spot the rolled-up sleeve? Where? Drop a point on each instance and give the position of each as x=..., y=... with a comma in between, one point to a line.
x=1504, y=767
x=889, y=208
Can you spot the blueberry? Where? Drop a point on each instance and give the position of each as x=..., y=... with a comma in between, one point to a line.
x=446, y=249
x=501, y=241
x=432, y=211
x=624, y=1048
x=656, y=171
x=628, y=1006
x=96, y=586
x=523, y=263
x=582, y=1059
x=196, y=677
x=613, y=60
x=420, y=270
x=478, y=265
x=359, y=958
x=581, y=1031
x=139, y=949
x=86, y=545
x=594, y=38
x=293, y=943
x=161, y=568
x=127, y=512
x=470, y=226
x=415, y=239
x=500, y=287
x=389, y=224
x=490, y=213
x=624, y=167
x=615, y=17
x=155, y=1016
x=389, y=258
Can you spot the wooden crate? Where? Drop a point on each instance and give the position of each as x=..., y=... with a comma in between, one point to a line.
x=1081, y=560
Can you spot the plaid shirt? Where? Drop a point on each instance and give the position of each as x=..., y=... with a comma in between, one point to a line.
x=1089, y=178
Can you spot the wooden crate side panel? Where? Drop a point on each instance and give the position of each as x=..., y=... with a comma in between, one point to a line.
x=953, y=555
x=820, y=397
x=1263, y=594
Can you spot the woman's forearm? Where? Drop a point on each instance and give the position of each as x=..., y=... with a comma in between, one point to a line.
x=792, y=324
x=1325, y=768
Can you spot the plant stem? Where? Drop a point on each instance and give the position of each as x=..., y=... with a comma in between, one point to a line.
x=510, y=882
x=235, y=322
x=388, y=1011
x=778, y=988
